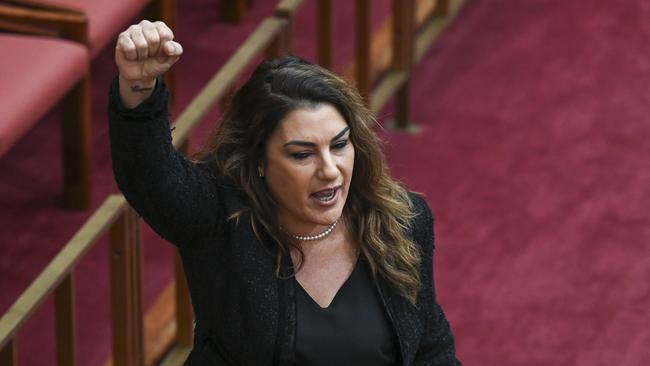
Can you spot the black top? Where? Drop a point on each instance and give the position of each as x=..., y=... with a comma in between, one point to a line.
x=245, y=313
x=353, y=330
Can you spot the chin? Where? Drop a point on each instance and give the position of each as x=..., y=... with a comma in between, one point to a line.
x=326, y=218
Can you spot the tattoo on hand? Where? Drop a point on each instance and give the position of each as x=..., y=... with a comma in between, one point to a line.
x=139, y=88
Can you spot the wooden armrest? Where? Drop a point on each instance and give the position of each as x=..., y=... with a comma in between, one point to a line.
x=38, y=5
x=45, y=20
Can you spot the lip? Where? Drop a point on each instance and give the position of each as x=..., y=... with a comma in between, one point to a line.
x=327, y=189
x=332, y=202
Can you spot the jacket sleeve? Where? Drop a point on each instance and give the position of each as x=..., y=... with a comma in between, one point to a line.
x=437, y=345
x=176, y=197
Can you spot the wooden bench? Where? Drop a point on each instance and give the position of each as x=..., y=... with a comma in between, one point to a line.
x=40, y=72
x=93, y=24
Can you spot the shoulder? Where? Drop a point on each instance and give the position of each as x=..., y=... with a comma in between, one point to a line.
x=232, y=198
x=421, y=226
x=420, y=208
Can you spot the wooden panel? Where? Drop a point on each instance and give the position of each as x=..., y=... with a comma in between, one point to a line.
x=286, y=9
x=65, y=322
x=234, y=11
x=126, y=290
x=442, y=7
x=403, y=34
x=77, y=157
x=324, y=23
x=363, y=43
x=280, y=45
x=8, y=353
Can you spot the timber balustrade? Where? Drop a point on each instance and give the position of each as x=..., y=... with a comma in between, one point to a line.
x=381, y=69
x=122, y=224
x=114, y=216
x=415, y=26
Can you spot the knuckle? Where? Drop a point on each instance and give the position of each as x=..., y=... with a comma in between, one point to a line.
x=141, y=44
x=166, y=35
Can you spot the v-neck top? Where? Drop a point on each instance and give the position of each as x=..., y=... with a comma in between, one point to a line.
x=353, y=330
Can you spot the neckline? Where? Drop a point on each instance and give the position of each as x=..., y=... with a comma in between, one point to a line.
x=336, y=295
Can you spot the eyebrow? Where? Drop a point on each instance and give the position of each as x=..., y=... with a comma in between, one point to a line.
x=311, y=144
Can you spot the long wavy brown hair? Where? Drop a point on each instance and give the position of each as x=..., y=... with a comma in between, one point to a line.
x=378, y=209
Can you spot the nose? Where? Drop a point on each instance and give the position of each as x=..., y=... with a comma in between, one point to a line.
x=328, y=170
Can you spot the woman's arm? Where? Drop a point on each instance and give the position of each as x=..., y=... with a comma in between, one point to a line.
x=437, y=344
x=175, y=196
x=143, y=52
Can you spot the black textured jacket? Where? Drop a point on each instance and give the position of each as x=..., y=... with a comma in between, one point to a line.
x=245, y=314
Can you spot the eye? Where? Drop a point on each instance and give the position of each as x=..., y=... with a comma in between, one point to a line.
x=301, y=155
x=340, y=145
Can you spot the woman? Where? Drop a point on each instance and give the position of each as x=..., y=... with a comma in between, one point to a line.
x=298, y=247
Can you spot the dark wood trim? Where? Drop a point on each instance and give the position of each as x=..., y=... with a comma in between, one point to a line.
x=76, y=129
x=363, y=48
x=324, y=19
x=8, y=353
x=234, y=11
x=126, y=290
x=65, y=322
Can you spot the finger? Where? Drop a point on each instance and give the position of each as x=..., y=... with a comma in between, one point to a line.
x=126, y=46
x=164, y=32
x=152, y=38
x=142, y=49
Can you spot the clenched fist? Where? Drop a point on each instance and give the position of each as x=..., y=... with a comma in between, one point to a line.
x=143, y=52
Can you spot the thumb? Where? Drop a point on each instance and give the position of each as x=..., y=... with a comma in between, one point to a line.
x=172, y=48
x=171, y=52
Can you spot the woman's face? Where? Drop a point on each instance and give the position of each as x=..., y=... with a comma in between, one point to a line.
x=309, y=163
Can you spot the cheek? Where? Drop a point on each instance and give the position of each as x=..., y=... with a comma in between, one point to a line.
x=349, y=163
x=286, y=181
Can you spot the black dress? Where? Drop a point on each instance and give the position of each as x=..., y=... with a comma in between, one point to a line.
x=353, y=330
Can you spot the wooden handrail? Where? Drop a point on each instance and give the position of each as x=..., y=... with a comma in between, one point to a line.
x=273, y=36
x=226, y=77
x=44, y=20
x=58, y=270
x=417, y=33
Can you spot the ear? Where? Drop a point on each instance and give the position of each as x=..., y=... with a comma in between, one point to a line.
x=261, y=165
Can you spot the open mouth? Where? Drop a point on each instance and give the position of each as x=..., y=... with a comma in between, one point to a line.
x=326, y=195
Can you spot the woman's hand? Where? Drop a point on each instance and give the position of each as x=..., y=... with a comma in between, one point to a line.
x=143, y=52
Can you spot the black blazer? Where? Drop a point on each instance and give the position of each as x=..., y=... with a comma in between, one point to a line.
x=245, y=314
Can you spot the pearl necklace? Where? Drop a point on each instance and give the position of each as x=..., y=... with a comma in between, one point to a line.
x=317, y=236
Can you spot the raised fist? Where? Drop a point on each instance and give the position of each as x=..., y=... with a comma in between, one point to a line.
x=145, y=51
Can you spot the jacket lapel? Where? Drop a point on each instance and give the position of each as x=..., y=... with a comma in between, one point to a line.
x=405, y=319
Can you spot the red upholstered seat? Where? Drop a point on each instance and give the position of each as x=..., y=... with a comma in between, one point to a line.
x=37, y=73
x=105, y=17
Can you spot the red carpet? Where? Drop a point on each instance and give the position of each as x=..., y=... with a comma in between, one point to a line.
x=533, y=156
